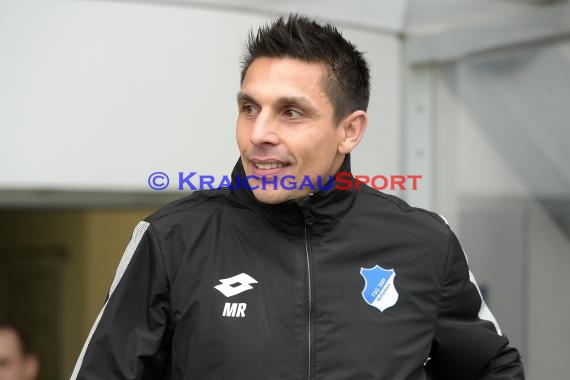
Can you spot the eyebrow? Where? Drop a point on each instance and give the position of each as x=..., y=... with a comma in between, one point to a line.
x=300, y=101
x=242, y=97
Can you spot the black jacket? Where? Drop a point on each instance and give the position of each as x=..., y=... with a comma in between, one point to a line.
x=340, y=285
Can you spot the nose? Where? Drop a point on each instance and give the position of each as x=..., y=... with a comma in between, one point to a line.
x=264, y=130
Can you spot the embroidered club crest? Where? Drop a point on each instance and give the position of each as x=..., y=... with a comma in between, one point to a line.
x=379, y=290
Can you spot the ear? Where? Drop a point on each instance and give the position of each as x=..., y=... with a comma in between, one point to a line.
x=353, y=127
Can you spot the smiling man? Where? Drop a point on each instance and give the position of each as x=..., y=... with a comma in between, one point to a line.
x=301, y=283
x=287, y=125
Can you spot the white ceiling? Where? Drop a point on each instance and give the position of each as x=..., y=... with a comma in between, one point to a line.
x=432, y=30
x=387, y=16
x=392, y=16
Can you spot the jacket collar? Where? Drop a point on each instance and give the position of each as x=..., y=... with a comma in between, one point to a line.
x=320, y=210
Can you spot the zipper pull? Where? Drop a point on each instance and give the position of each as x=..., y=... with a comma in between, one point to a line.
x=309, y=218
x=307, y=215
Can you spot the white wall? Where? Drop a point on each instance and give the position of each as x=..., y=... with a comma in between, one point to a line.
x=98, y=95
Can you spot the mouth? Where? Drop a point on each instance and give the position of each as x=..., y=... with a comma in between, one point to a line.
x=269, y=164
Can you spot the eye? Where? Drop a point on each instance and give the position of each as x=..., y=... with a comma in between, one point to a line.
x=248, y=109
x=292, y=113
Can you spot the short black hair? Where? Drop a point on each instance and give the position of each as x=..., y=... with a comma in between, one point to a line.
x=22, y=336
x=348, y=78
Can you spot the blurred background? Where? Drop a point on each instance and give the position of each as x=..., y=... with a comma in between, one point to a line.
x=474, y=95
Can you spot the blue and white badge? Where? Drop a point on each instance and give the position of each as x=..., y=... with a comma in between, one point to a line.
x=379, y=290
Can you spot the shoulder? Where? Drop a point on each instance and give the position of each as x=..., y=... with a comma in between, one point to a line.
x=394, y=204
x=176, y=226
x=395, y=214
x=188, y=210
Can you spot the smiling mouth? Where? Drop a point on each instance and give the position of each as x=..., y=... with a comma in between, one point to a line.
x=270, y=165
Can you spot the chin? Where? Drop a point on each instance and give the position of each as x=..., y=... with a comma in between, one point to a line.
x=273, y=196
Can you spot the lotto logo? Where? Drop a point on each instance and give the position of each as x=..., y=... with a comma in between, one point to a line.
x=231, y=286
x=235, y=285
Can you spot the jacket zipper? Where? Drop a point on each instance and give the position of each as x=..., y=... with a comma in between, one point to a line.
x=310, y=338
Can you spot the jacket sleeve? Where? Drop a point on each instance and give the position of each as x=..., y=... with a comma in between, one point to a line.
x=468, y=343
x=130, y=337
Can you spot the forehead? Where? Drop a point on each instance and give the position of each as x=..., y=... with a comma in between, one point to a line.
x=285, y=77
x=9, y=343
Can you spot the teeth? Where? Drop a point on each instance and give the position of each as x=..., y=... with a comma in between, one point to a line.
x=272, y=165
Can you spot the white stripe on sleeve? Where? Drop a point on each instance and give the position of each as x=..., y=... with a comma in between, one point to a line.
x=138, y=233
x=484, y=312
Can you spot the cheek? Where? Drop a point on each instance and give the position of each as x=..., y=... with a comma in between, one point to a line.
x=241, y=135
x=317, y=153
x=326, y=144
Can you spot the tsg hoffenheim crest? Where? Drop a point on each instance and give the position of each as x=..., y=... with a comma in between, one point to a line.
x=379, y=290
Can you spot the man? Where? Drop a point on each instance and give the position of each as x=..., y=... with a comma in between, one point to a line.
x=274, y=280
x=16, y=360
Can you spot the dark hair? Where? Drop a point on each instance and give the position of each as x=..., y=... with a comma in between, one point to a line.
x=348, y=77
x=20, y=334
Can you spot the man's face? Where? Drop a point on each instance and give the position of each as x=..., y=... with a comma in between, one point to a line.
x=14, y=365
x=286, y=127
